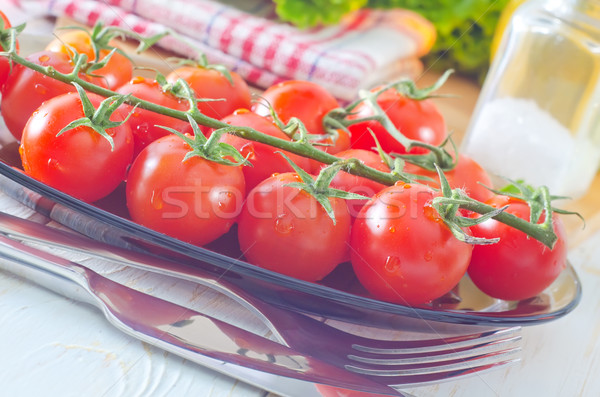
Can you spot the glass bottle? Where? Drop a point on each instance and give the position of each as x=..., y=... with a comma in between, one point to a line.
x=538, y=114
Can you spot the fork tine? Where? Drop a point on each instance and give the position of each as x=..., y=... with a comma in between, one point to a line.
x=422, y=368
x=447, y=355
x=400, y=382
x=378, y=346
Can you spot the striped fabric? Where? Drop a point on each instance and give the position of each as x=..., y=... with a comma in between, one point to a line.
x=366, y=48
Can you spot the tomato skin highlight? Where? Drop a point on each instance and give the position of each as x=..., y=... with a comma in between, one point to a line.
x=144, y=123
x=25, y=89
x=284, y=229
x=419, y=120
x=196, y=200
x=402, y=252
x=265, y=159
x=79, y=162
x=517, y=267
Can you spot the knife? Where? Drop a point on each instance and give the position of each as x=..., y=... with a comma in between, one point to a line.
x=227, y=349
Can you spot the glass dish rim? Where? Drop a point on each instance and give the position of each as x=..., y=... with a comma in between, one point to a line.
x=494, y=318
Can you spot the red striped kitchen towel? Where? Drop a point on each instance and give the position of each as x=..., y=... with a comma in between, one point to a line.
x=365, y=48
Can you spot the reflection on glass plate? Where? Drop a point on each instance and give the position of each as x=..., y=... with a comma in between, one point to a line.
x=339, y=296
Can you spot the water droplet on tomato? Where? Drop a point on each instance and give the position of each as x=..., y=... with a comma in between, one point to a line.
x=399, y=183
x=428, y=256
x=392, y=264
x=275, y=174
x=138, y=80
x=248, y=151
x=392, y=229
x=431, y=213
x=53, y=164
x=40, y=89
x=284, y=224
x=44, y=58
x=241, y=111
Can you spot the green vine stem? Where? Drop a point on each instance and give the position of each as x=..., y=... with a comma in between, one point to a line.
x=301, y=147
x=341, y=118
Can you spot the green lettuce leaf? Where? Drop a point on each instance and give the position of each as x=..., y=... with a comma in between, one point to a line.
x=309, y=13
x=464, y=27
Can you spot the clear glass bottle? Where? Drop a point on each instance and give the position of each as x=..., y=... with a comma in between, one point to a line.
x=538, y=115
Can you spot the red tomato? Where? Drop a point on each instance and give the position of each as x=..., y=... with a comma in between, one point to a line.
x=467, y=175
x=304, y=100
x=416, y=119
x=308, y=102
x=25, y=90
x=517, y=267
x=356, y=184
x=196, y=200
x=118, y=69
x=212, y=84
x=4, y=62
x=402, y=252
x=286, y=230
x=265, y=159
x=79, y=162
x=144, y=123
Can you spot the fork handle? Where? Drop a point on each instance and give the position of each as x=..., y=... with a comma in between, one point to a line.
x=66, y=280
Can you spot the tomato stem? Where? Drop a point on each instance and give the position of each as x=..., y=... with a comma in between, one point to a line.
x=340, y=118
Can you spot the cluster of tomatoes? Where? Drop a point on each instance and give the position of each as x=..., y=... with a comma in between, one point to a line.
x=399, y=247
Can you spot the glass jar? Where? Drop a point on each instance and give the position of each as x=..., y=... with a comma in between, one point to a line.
x=538, y=115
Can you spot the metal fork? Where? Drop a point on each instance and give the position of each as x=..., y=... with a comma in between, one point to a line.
x=384, y=365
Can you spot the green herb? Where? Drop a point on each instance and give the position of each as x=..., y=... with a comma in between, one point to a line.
x=309, y=13
x=465, y=28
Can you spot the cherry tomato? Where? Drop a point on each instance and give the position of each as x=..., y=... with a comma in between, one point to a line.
x=118, y=69
x=144, y=123
x=79, y=162
x=4, y=62
x=304, y=100
x=284, y=229
x=416, y=119
x=517, y=267
x=211, y=84
x=309, y=102
x=265, y=159
x=402, y=252
x=467, y=175
x=356, y=184
x=196, y=200
x=25, y=89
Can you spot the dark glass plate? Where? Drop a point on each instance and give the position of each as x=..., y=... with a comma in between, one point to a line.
x=339, y=296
